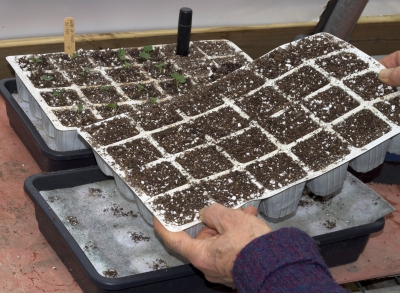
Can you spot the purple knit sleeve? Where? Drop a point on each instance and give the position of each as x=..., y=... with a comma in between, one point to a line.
x=286, y=260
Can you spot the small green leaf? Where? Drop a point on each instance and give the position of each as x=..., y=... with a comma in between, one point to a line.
x=85, y=70
x=79, y=110
x=35, y=60
x=144, y=55
x=153, y=101
x=140, y=87
x=57, y=93
x=113, y=106
x=105, y=88
x=179, y=78
x=47, y=77
x=148, y=48
x=74, y=56
x=160, y=66
x=121, y=54
x=126, y=65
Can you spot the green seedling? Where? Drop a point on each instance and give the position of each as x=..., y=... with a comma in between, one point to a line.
x=146, y=52
x=74, y=56
x=140, y=87
x=160, y=66
x=113, y=106
x=57, y=94
x=85, y=70
x=178, y=78
x=47, y=77
x=126, y=65
x=79, y=110
x=121, y=54
x=153, y=101
x=105, y=88
x=35, y=60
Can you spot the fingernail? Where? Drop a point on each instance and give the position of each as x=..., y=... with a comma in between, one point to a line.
x=384, y=74
x=201, y=214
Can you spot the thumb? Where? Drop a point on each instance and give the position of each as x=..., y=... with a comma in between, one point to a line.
x=390, y=76
x=180, y=242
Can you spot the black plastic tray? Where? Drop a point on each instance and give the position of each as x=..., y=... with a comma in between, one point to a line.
x=47, y=159
x=337, y=248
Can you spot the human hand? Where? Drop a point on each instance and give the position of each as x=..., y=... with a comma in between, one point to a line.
x=391, y=75
x=216, y=246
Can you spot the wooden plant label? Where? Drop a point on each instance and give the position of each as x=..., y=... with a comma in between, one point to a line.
x=69, y=36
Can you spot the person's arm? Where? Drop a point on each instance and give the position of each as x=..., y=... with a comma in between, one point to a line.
x=238, y=249
x=391, y=75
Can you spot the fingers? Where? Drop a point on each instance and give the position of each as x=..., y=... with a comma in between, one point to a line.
x=180, y=242
x=251, y=210
x=212, y=216
x=392, y=60
x=390, y=76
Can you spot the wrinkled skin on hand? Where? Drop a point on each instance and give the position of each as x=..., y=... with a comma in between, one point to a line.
x=215, y=247
x=391, y=75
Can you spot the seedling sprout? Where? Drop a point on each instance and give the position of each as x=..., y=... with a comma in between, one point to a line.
x=85, y=70
x=146, y=52
x=74, y=56
x=105, y=88
x=153, y=101
x=140, y=87
x=47, y=77
x=121, y=54
x=160, y=66
x=178, y=78
x=79, y=110
x=35, y=60
x=57, y=94
x=113, y=106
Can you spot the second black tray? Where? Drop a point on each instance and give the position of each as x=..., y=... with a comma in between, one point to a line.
x=47, y=159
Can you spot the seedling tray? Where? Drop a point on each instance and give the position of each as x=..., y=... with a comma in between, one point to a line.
x=48, y=160
x=337, y=248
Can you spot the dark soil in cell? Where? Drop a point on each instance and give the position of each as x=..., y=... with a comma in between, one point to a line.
x=87, y=77
x=160, y=70
x=368, y=86
x=275, y=63
x=238, y=83
x=141, y=91
x=169, y=51
x=134, y=153
x=318, y=46
x=204, y=162
x=195, y=67
x=182, y=207
x=289, y=126
x=342, y=64
x=156, y=179
x=302, y=82
x=45, y=79
x=362, y=128
x=176, y=89
x=263, y=103
x=155, y=55
x=103, y=94
x=61, y=97
x=124, y=75
x=66, y=62
x=112, y=131
x=226, y=65
x=215, y=48
x=113, y=109
x=391, y=109
x=331, y=104
x=221, y=123
x=230, y=189
x=179, y=138
x=74, y=118
x=277, y=171
x=247, y=146
x=107, y=58
x=199, y=100
x=35, y=62
x=152, y=116
x=321, y=150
